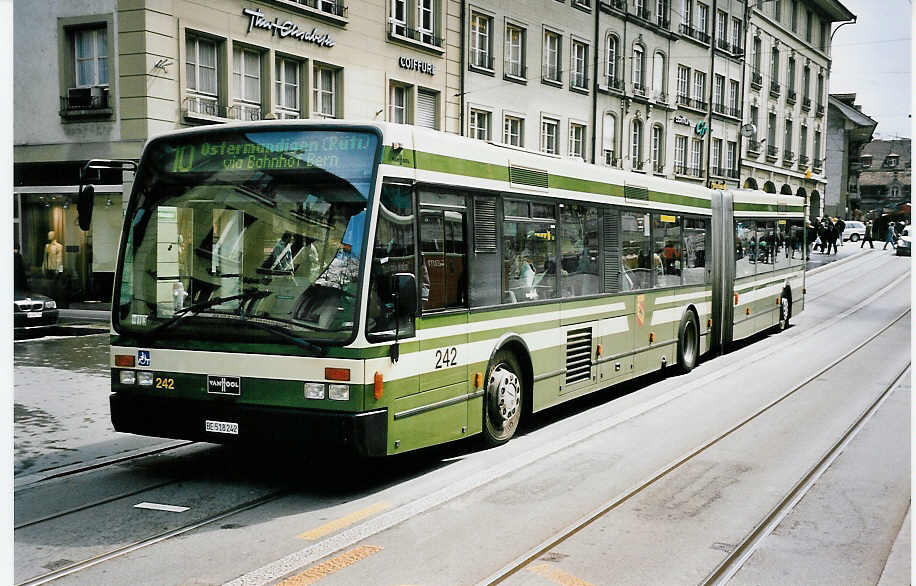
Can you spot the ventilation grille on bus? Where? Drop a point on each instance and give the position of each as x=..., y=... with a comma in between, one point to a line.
x=578, y=355
x=612, y=251
x=484, y=224
x=531, y=177
x=635, y=192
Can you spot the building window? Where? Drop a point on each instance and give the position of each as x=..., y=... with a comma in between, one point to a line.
x=756, y=57
x=609, y=140
x=683, y=81
x=398, y=100
x=639, y=67
x=246, y=84
x=399, y=17
x=611, y=62
x=426, y=24
x=790, y=74
x=636, y=145
x=895, y=192
x=687, y=12
x=721, y=27
x=661, y=13
x=415, y=25
x=659, y=76
x=696, y=158
x=576, y=140
x=715, y=157
x=734, y=97
x=90, y=49
x=771, y=132
x=820, y=89
x=481, y=37
x=787, y=139
x=549, y=135
x=324, y=91
x=702, y=17
x=793, y=16
x=817, y=144
x=200, y=67
x=699, y=87
x=777, y=10
x=806, y=83
x=803, y=141
x=579, y=65
x=551, y=56
x=658, y=149
x=774, y=65
x=515, y=51
x=680, y=154
x=480, y=124
x=287, y=88
x=731, y=158
x=513, y=128
x=718, y=90
x=809, y=23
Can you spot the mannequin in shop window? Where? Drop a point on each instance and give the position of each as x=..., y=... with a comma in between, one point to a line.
x=54, y=256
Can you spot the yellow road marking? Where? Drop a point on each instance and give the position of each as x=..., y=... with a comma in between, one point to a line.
x=339, y=524
x=558, y=576
x=330, y=566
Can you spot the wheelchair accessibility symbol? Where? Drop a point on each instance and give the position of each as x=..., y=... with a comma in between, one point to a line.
x=143, y=358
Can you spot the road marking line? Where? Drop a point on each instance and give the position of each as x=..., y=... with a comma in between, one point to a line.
x=558, y=576
x=158, y=507
x=334, y=564
x=343, y=522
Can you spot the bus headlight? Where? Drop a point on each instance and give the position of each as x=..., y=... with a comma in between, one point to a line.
x=339, y=392
x=314, y=390
x=145, y=378
x=128, y=377
x=50, y=304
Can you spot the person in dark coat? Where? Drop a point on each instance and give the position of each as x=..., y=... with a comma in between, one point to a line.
x=20, y=276
x=840, y=228
x=869, y=235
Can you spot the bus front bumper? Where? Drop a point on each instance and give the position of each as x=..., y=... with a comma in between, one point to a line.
x=364, y=434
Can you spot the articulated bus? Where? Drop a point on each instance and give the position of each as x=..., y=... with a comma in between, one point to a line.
x=380, y=288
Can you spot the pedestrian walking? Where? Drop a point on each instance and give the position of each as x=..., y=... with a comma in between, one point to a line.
x=868, y=236
x=840, y=228
x=832, y=236
x=891, y=237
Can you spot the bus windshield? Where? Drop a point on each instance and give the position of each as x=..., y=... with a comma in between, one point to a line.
x=236, y=234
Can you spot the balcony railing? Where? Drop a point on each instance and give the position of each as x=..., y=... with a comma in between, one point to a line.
x=820, y=110
x=790, y=96
x=640, y=89
x=481, y=60
x=638, y=165
x=802, y=161
x=694, y=33
x=204, y=105
x=328, y=6
x=774, y=89
x=85, y=103
x=726, y=110
x=680, y=169
x=772, y=152
x=806, y=104
x=788, y=157
x=692, y=103
x=398, y=29
x=716, y=171
x=615, y=4
x=658, y=167
x=756, y=79
x=732, y=173
x=695, y=172
x=662, y=22
x=244, y=112
x=818, y=165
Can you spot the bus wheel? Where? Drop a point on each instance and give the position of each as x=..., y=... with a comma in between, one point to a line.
x=688, y=342
x=784, y=311
x=502, y=408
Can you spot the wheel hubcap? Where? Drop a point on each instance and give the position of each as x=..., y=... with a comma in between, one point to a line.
x=504, y=389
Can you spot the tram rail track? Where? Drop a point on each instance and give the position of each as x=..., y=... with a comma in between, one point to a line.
x=742, y=552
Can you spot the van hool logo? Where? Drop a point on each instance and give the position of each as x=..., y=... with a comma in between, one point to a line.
x=224, y=385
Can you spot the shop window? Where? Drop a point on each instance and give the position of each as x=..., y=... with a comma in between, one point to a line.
x=579, y=246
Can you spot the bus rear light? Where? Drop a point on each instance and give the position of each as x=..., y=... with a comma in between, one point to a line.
x=378, y=386
x=124, y=360
x=337, y=373
x=314, y=390
x=339, y=392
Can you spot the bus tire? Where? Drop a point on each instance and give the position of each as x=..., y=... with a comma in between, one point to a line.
x=785, y=311
x=502, y=398
x=688, y=342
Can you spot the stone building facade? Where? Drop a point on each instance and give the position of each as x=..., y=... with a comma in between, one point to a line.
x=885, y=177
x=848, y=130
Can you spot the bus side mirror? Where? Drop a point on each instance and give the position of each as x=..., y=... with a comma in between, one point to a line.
x=84, y=206
x=404, y=286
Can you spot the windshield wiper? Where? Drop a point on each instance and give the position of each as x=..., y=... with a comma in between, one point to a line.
x=249, y=295
x=320, y=350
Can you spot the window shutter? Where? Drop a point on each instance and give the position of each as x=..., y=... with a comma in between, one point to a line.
x=426, y=109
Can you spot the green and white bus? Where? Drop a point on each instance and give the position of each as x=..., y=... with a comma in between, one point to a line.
x=381, y=288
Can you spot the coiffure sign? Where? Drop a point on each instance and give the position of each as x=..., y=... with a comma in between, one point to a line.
x=287, y=28
x=412, y=64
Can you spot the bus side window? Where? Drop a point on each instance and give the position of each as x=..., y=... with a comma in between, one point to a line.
x=696, y=237
x=443, y=262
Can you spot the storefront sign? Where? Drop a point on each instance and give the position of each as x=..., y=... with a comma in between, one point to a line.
x=700, y=128
x=416, y=65
x=288, y=28
x=682, y=120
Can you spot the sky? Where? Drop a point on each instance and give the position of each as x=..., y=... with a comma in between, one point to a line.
x=873, y=59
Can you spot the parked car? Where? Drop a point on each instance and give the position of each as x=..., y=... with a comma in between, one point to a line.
x=854, y=231
x=31, y=310
x=904, y=246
